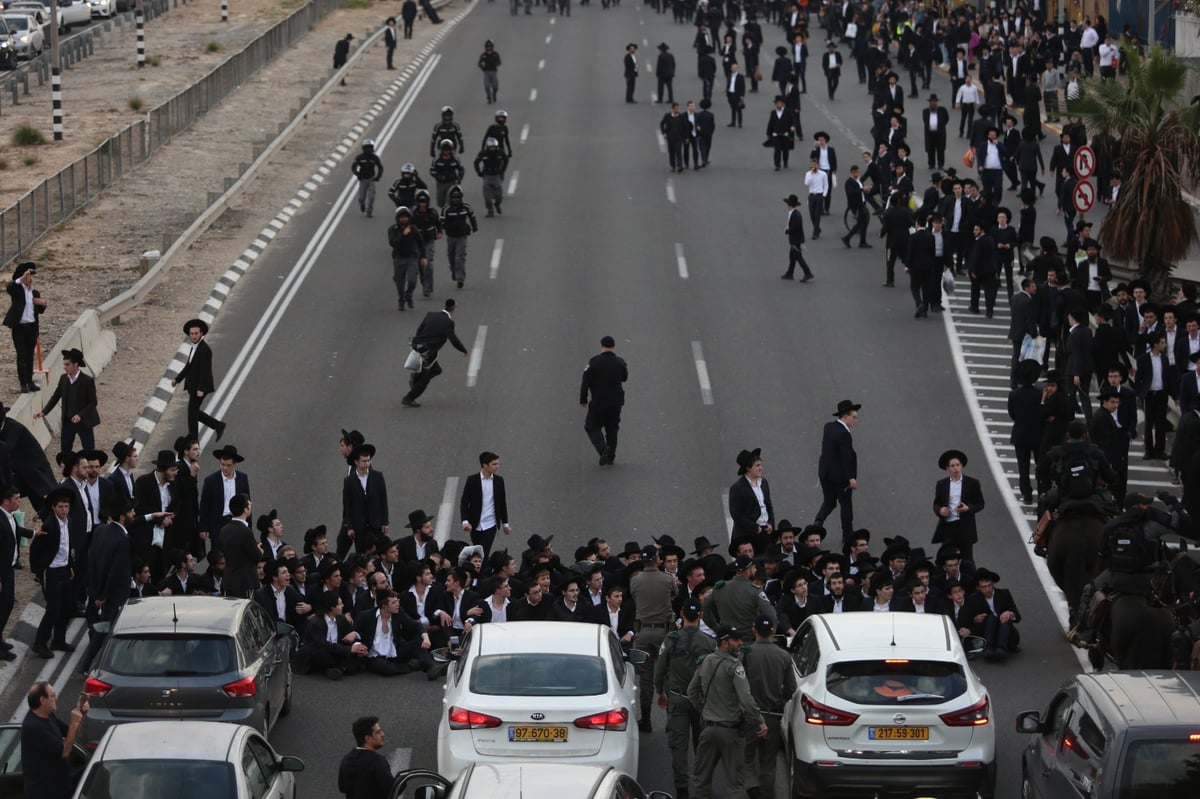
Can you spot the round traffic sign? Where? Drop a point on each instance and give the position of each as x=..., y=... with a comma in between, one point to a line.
x=1084, y=197
x=1085, y=162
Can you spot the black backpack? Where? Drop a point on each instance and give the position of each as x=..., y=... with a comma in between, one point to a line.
x=1076, y=475
x=1129, y=551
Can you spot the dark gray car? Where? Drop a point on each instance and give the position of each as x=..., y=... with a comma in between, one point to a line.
x=192, y=657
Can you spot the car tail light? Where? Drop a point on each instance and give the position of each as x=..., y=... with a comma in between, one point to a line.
x=823, y=715
x=243, y=687
x=463, y=719
x=974, y=716
x=1194, y=737
x=95, y=689
x=616, y=720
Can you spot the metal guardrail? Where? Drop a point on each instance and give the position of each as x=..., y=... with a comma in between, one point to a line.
x=58, y=197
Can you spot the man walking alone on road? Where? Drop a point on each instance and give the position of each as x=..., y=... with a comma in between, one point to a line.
x=22, y=319
x=603, y=378
x=389, y=40
x=197, y=377
x=436, y=329
x=364, y=773
x=837, y=468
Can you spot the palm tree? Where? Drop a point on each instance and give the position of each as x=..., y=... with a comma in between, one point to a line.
x=1158, y=130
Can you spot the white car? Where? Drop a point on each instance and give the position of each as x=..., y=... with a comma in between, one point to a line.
x=24, y=35
x=887, y=702
x=543, y=692
x=526, y=780
x=187, y=760
x=103, y=8
x=72, y=13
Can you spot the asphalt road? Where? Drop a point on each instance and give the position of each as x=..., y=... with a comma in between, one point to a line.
x=593, y=236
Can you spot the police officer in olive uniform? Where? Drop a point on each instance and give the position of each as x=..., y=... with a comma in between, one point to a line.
x=772, y=680
x=678, y=658
x=652, y=590
x=738, y=601
x=721, y=693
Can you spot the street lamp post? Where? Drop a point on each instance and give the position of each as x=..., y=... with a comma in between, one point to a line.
x=55, y=73
x=140, y=21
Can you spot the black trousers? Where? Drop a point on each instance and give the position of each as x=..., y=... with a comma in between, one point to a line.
x=675, y=153
x=485, y=539
x=837, y=495
x=989, y=285
x=601, y=426
x=1155, y=406
x=420, y=381
x=7, y=600
x=782, y=151
x=861, y=219
x=630, y=85
x=667, y=83
x=24, y=342
x=735, y=109
x=195, y=416
x=1024, y=456
x=796, y=257
x=60, y=606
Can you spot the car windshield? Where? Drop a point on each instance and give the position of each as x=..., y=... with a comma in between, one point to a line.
x=896, y=682
x=155, y=779
x=1161, y=770
x=169, y=655
x=542, y=674
x=17, y=23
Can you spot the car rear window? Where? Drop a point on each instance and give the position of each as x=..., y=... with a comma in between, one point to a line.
x=538, y=675
x=155, y=779
x=896, y=682
x=170, y=655
x=1161, y=770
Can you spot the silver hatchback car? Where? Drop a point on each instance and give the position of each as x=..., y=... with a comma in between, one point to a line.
x=198, y=658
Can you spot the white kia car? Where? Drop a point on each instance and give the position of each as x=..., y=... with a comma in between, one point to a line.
x=541, y=692
x=887, y=703
x=526, y=780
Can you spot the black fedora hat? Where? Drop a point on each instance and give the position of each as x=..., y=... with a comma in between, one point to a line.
x=746, y=459
x=95, y=455
x=59, y=494
x=311, y=536
x=630, y=548
x=121, y=449
x=352, y=437
x=537, y=544
x=74, y=354
x=701, y=543
x=813, y=528
x=266, y=520
x=792, y=200
x=949, y=455
x=898, y=541
x=780, y=50
x=200, y=323
x=363, y=449
x=165, y=459
x=663, y=540
x=228, y=452
x=737, y=541
x=947, y=552
x=417, y=519
x=846, y=406
x=982, y=574
x=115, y=506
x=30, y=266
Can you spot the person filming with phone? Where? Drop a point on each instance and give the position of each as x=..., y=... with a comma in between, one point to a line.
x=46, y=743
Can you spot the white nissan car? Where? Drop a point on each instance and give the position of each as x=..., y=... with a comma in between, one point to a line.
x=540, y=691
x=887, y=703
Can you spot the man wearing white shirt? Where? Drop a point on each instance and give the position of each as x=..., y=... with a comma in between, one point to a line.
x=484, y=504
x=1110, y=59
x=1087, y=46
x=817, y=183
x=735, y=93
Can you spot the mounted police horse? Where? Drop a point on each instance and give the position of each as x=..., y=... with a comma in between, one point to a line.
x=1137, y=633
x=1074, y=548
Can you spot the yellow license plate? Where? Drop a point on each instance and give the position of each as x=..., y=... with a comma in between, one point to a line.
x=539, y=735
x=899, y=733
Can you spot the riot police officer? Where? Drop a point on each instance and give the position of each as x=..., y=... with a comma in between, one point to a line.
x=772, y=683
x=458, y=222
x=408, y=255
x=490, y=165
x=404, y=189
x=447, y=171
x=368, y=169
x=499, y=131
x=446, y=129
x=678, y=658
x=429, y=224
x=721, y=694
x=489, y=64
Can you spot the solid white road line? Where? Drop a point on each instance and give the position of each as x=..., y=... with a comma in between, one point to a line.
x=476, y=356
x=702, y=373
x=496, y=251
x=524, y=132
x=1020, y=524
x=512, y=183
x=670, y=190
x=244, y=363
x=52, y=665
x=681, y=261
x=445, y=516
x=532, y=95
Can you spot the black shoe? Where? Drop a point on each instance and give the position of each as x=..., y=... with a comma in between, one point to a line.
x=1027, y=499
x=491, y=213
x=407, y=403
x=816, y=235
x=221, y=430
x=410, y=302
x=807, y=277
x=34, y=387
x=786, y=276
x=864, y=246
x=731, y=125
x=846, y=241
x=7, y=656
x=889, y=284
x=610, y=454
x=501, y=213
x=42, y=651
x=989, y=654
x=604, y=459
x=334, y=674
x=62, y=646
x=6, y=646
x=460, y=283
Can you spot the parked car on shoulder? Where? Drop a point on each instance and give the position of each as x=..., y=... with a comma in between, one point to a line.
x=190, y=658
x=187, y=760
x=24, y=35
x=1115, y=735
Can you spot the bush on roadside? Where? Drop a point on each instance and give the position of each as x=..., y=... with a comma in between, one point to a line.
x=153, y=60
x=29, y=160
x=358, y=3
x=3, y=164
x=27, y=136
x=135, y=103
x=213, y=47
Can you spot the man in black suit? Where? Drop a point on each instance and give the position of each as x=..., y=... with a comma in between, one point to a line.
x=837, y=468
x=897, y=220
x=856, y=202
x=420, y=544
x=981, y=266
x=615, y=614
x=459, y=610
x=392, y=637
x=217, y=490
x=330, y=644
x=955, y=606
x=922, y=268
x=1079, y=360
x=241, y=551
x=1092, y=277
x=197, y=373
x=1023, y=313
x=1106, y=432
x=51, y=558
x=10, y=534
x=1151, y=384
x=994, y=616
x=831, y=65
x=78, y=394
x=795, y=234
x=957, y=498
x=1024, y=408
x=154, y=496
x=781, y=132
x=706, y=126
x=735, y=93
x=631, y=71
x=675, y=129
x=484, y=503
x=750, y=497
x=569, y=604
x=935, y=119
x=434, y=331
x=31, y=469
x=364, y=502
x=603, y=379
x=22, y=319
x=837, y=599
x=1189, y=387
x=108, y=574
x=664, y=70
x=280, y=598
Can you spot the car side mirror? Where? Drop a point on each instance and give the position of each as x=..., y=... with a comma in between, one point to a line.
x=973, y=645
x=637, y=657
x=430, y=792
x=1029, y=722
x=444, y=655
x=289, y=763
x=658, y=795
x=283, y=628
x=102, y=627
x=779, y=639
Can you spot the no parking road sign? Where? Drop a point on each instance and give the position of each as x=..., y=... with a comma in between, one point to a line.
x=1085, y=196
x=1085, y=163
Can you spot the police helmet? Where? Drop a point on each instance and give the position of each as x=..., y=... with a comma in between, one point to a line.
x=501, y=114
x=446, y=144
x=368, y=144
x=491, y=142
x=488, y=43
x=421, y=196
x=455, y=191
x=407, y=169
x=403, y=211
x=447, y=110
